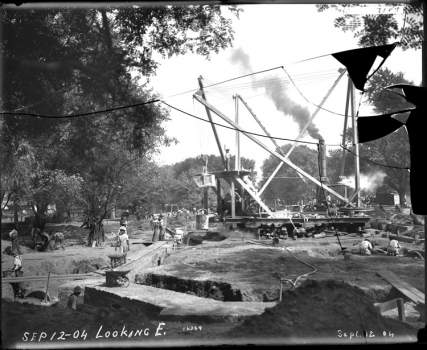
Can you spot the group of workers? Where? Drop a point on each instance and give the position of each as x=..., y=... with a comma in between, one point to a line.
x=367, y=247
x=158, y=225
x=42, y=240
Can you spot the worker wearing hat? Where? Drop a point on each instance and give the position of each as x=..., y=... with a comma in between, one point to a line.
x=72, y=299
x=161, y=226
x=123, y=240
x=18, y=289
x=393, y=247
x=227, y=159
x=13, y=235
x=366, y=247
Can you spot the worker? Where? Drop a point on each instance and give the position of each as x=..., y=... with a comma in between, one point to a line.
x=58, y=238
x=123, y=220
x=42, y=241
x=366, y=247
x=13, y=235
x=35, y=232
x=393, y=247
x=155, y=229
x=124, y=240
x=18, y=290
x=161, y=225
x=333, y=209
x=227, y=159
x=72, y=299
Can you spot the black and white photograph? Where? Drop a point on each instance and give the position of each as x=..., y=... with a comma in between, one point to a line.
x=210, y=173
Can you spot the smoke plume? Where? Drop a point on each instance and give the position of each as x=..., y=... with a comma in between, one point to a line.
x=277, y=93
x=368, y=182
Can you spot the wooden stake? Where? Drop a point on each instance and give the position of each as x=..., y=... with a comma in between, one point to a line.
x=47, y=287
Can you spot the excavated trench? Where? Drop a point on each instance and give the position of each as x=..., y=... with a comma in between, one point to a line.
x=207, y=289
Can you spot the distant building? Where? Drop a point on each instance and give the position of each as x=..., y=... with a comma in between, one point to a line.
x=387, y=198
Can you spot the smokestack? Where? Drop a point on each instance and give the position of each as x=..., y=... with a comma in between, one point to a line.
x=322, y=160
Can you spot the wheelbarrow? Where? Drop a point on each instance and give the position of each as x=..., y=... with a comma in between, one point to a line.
x=117, y=259
x=117, y=278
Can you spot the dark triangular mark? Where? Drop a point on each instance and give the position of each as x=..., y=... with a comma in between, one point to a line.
x=359, y=61
x=372, y=128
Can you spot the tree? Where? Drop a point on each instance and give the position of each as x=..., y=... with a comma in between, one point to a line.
x=174, y=184
x=379, y=29
x=392, y=150
x=287, y=186
x=190, y=194
x=388, y=154
x=62, y=61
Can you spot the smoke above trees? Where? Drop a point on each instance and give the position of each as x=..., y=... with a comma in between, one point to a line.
x=277, y=93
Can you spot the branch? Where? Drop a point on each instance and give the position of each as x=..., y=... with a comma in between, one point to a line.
x=8, y=198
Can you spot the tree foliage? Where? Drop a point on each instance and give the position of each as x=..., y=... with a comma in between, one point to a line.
x=381, y=28
x=175, y=184
x=287, y=186
x=61, y=61
x=393, y=149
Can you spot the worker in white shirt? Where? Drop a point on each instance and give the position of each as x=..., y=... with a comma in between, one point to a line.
x=161, y=223
x=13, y=235
x=123, y=240
x=393, y=247
x=17, y=264
x=18, y=290
x=366, y=247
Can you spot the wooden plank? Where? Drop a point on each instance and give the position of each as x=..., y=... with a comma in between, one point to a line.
x=405, y=288
x=387, y=305
x=42, y=278
x=392, y=304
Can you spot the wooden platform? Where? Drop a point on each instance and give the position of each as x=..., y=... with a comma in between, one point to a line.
x=252, y=222
x=43, y=278
x=406, y=289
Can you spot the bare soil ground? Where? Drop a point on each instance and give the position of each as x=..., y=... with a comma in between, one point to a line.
x=322, y=309
x=255, y=267
x=234, y=257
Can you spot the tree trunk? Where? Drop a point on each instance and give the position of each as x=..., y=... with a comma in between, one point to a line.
x=402, y=198
x=39, y=218
x=15, y=213
x=96, y=230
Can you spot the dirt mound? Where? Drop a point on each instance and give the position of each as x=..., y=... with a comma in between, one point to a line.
x=73, y=232
x=215, y=236
x=20, y=318
x=88, y=265
x=320, y=309
x=38, y=294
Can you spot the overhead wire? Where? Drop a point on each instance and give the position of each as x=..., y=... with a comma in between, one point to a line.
x=305, y=98
x=78, y=115
x=75, y=115
x=234, y=128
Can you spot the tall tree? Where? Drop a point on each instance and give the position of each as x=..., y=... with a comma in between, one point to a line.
x=62, y=61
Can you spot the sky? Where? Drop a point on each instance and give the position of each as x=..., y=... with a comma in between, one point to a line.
x=267, y=36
